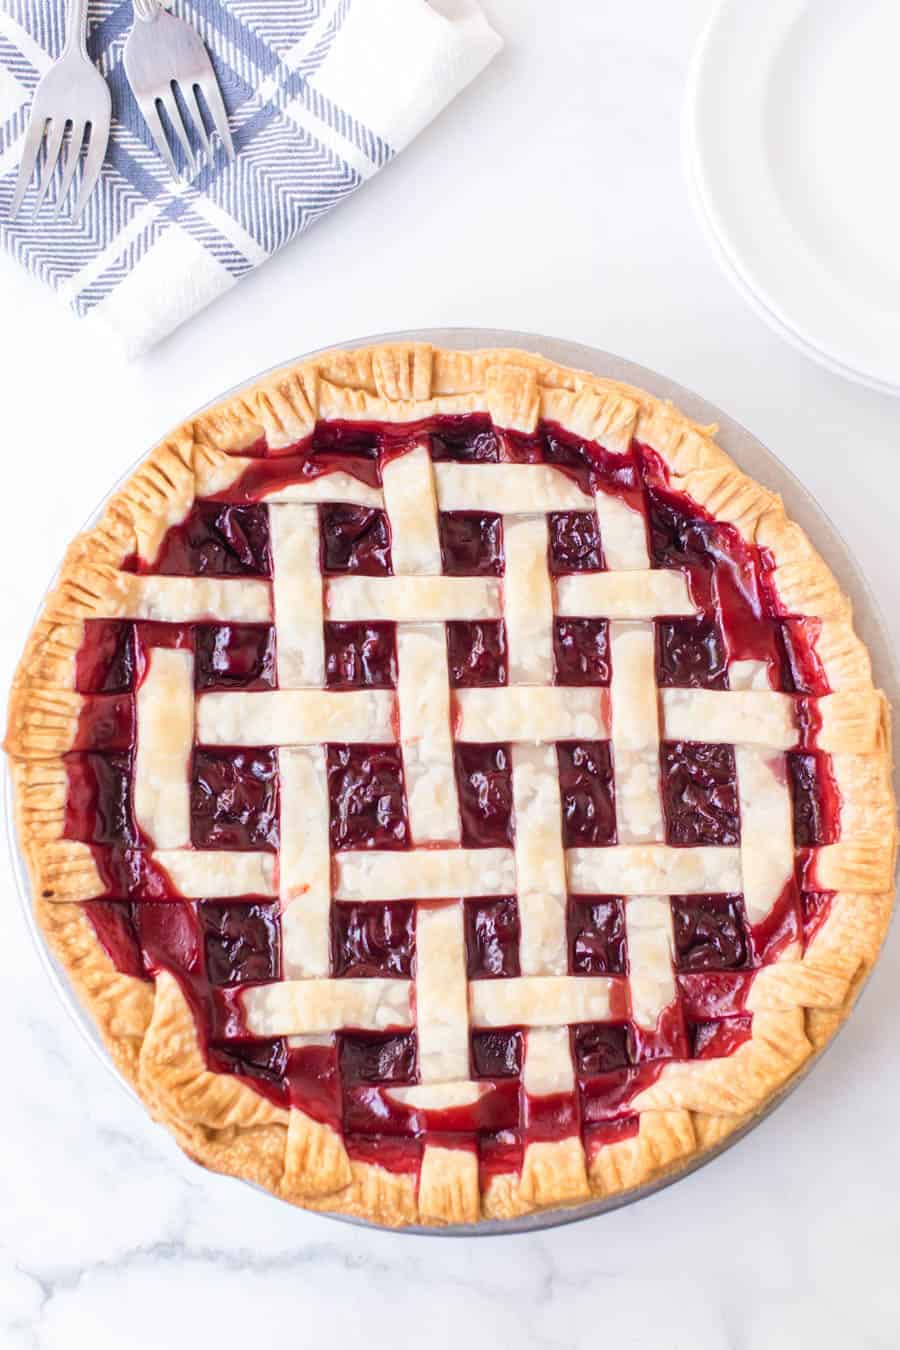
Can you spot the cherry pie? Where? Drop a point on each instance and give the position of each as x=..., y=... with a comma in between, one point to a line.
x=454, y=788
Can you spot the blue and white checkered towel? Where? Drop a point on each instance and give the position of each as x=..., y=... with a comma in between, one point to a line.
x=320, y=95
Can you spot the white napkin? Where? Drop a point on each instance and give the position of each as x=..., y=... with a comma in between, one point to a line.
x=320, y=96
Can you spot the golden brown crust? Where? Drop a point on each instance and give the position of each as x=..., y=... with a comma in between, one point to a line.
x=740, y=1082
x=797, y=1002
x=664, y=1139
x=448, y=1186
x=121, y=1005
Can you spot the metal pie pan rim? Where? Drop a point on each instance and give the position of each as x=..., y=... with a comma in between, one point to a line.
x=749, y=453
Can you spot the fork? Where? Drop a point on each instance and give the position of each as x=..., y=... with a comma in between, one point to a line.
x=164, y=54
x=71, y=94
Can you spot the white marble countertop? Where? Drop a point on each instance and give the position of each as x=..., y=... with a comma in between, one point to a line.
x=549, y=198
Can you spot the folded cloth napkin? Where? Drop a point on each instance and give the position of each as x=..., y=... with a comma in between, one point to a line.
x=320, y=95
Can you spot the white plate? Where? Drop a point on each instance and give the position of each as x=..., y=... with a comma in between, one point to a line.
x=791, y=128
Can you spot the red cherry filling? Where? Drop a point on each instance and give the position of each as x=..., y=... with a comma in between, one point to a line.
x=98, y=800
x=699, y=792
x=726, y=575
x=710, y=932
x=588, y=794
x=804, y=673
x=334, y=441
x=114, y=925
x=471, y=543
x=170, y=937
x=217, y=540
x=264, y=1062
x=574, y=542
x=815, y=799
x=467, y=440
x=710, y=995
x=241, y=942
x=600, y=1047
x=690, y=654
x=105, y=663
x=373, y=940
x=497, y=1054
x=360, y=656
x=354, y=539
x=677, y=537
x=476, y=653
x=713, y=1040
x=581, y=651
x=366, y=1057
x=596, y=933
x=492, y=938
x=589, y=464
x=234, y=798
x=106, y=722
x=484, y=780
x=365, y=791
x=234, y=656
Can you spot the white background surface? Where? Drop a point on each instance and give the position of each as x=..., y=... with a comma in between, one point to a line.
x=550, y=197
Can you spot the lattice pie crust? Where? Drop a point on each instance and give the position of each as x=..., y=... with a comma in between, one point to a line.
x=604, y=1095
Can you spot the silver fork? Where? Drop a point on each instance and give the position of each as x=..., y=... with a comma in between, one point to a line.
x=163, y=54
x=72, y=94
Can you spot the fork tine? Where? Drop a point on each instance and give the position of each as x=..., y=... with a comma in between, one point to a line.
x=93, y=162
x=210, y=90
x=73, y=153
x=192, y=103
x=155, y=127
x=54, y=144
x=173, y=112
x=33, y=138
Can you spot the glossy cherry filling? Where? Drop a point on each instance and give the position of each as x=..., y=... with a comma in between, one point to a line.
x=710, y=932
x=373, y=940
x=497, y=1054
x=574, y=542
x=218, y=540
x=98, y=799
x=242, y=942
x=471, y=543
x=690, y=654
x=484, y=782
x=698, y=783
x=218, y=948
x=587, y=792
x=596, y=935
x=581, y=651
x=492, y=938
x=234, y=799
x=106, y=659
x=815, y=797
x=367, y=800
x=360, y=655
x=476, y=653
x=354, y=539
x=234, y=656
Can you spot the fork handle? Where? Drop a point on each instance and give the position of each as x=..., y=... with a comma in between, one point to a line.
x=76, y=27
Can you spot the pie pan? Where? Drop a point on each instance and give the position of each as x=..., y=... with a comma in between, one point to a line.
x=752, y=457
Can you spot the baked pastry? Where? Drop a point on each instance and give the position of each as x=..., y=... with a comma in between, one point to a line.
x=453, y=787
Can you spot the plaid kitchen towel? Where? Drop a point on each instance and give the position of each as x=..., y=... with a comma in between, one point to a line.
x=320, y=95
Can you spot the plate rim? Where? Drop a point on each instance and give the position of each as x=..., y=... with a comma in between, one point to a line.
x=725, y=250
